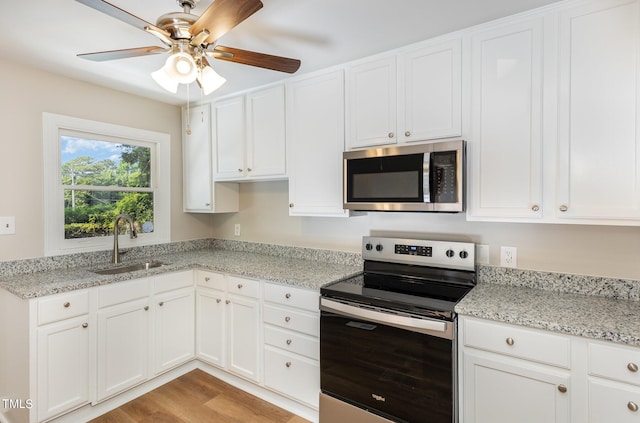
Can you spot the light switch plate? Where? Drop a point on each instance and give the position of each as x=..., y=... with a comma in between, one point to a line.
x=482, y=254
x=7, y=225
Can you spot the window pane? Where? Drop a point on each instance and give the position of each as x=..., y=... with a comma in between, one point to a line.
x=104, y=163
x=91, y=213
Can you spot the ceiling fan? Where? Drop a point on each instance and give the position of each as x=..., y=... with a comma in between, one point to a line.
x=191, y=39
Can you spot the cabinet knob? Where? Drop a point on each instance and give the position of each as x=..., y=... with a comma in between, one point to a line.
x=562, y=388
x=288, y=364
x=249, y=169
x=239, y=170
x=239, y=286
x=227, y=302
x=407, y=133
x=67, y=304
x=286, y=319
x=161, y=303
x=632, y=406
x=564, y=208
x=510, y=341
x=287, y=295
x=146, y=308
x=633, y=367
x=207, y=204
x=535, y=208
x=289, y=341
x=218, y=300
x=290, y=205
x=207, y=279
x=391, y=135
x=85, y=325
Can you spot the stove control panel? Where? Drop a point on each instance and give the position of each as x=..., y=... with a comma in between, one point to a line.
x=445, y=254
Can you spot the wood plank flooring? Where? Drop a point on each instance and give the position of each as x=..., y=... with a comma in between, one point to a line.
x=198, y=397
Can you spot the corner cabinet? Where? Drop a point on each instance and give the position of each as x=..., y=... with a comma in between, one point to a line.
x=315, y=137
x=201, y=194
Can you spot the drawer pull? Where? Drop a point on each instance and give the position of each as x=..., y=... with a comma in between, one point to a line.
x=218, y=300
x=207, y=279
x=288, y=364
x=239, y=286
x=146, y=308
x=289, y=341
x=287, y=295
x=85, y=325
x=286, y=319
x=227, y=302
x=633, y=367
x=632, y=406
x=161, y=303
x=510, y=341
x=562, y=388
x=67, y=304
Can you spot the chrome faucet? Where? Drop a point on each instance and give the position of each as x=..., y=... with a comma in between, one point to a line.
x=132, y=234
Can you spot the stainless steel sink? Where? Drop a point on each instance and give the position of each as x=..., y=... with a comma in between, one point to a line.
x=129, y=268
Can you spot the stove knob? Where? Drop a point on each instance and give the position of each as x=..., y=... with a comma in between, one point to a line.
x=450, y=253
x=369, y=246
x=379, y=247
x=464, y=254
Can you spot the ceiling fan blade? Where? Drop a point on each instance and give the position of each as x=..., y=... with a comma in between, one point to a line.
x=102, y=56
x=122, y=15
x=252, y=58
x=222, y=16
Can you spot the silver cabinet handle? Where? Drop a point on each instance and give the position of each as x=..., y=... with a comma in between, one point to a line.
x=535, y=208
x=632, y=406
x=249, y=169
x=510, y=341
x=207, y=279
x=227, y=302
x=67, y=304
x=290, y=205
x=407, y=133
x=391, y=135
x=239, y=170
x=146, y=308
x=218, y=300
x=562, y=388
x=239, y=286
x=287, y=295
x=289, y=341
x=161, y=303
x=288, y=364
x=564, y=208
x=633, y=367
x=286, y=319
x=207, y=204
x=85, y=325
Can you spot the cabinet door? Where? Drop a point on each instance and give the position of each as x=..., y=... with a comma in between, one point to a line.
x=506, y=152
x=229, y=138
x=243, y=336
x=174, y=323
x=371, y=103
x=430, y=92
x=598, y=146
x=502, y=390
x=315, y=134
x=613, y=402
x=63, y=366
x=266, y=133
x=123, y=347
x=196, y=156
x=211, y=324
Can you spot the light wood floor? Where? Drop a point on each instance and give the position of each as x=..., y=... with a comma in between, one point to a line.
x=197, y=397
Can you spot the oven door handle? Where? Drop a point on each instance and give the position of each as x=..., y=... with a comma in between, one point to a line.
x=433, y=327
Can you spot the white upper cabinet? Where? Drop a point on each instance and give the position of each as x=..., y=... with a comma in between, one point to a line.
x=249, y=136
x=315, y=137
x=598, y=146
x=506, y=121
x=201, y=194
x=412, y=96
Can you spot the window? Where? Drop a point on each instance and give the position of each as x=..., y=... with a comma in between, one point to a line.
x=94, y=171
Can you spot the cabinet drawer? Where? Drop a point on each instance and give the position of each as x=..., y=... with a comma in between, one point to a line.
x=293, y=342
x=615, y=362
x=518, y=342
x=613, y=402
x=171, y=281
x=122, y=292
x=305, y=299
x=294, y=320
x=63, y=306
x=292, y=375
x=242, y=286
x=211, y=280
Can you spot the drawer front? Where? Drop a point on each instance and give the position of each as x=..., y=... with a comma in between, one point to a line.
x=305, y=299
x=122, y=292
x=518, y=342
x=294, y=342
x=613, y=402
x=242, y=286
x=211, y=280
x=63, y=306
x=294, y=376
x=293, y=320
x=614, y=362
x=171, y=281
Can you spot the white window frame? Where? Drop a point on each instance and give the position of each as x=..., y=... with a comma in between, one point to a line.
x=53, y=126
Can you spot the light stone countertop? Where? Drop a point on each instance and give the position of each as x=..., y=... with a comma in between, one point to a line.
x=300, y=272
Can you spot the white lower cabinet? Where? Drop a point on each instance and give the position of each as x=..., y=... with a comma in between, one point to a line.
x=174, y=329
x=291, y=342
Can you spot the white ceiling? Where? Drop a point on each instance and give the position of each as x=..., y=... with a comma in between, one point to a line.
x=49, y=33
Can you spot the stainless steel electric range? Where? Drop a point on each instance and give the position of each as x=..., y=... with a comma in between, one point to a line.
x=388, y=336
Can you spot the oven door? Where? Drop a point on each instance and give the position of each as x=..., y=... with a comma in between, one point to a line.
x=399, y=367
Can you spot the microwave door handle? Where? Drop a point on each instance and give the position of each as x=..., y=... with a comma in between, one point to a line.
x=426, y=171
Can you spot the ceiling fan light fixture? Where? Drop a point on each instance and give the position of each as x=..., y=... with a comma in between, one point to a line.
x=209, y=80
x=181, y=67
x=165, y=80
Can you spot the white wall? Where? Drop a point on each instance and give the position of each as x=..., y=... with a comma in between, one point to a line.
x=611, y=251
x=25, y=94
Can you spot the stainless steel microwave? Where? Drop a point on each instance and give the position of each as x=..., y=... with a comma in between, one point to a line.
x=425, y=177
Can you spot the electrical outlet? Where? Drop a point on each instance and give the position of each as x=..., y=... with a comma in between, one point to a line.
x=236, y=229
x=482, y=254
x=508, y=257
x=7, y=225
